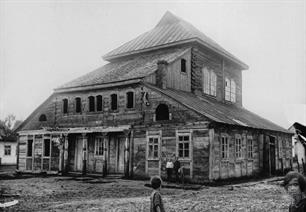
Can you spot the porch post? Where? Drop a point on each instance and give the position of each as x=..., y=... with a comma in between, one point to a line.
x=84, y=153
x=61, y=155
x=65, y=153
x=105, y=148
x=126, y=153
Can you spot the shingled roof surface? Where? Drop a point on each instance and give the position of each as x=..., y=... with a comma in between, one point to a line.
x=137, y=67
x=220, y=112
x=169, y=30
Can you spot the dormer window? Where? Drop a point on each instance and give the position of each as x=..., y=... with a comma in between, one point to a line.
x=209, y=82
x=230, y=90
x=183, y=65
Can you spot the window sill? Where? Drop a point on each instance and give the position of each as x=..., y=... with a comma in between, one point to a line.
x=153, y=159
x=184, y=159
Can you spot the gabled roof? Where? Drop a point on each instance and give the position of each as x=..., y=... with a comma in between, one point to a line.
x=127, y=69
x=220, y=112
x=170, y=30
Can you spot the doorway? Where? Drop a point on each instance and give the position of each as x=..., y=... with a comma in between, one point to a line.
x=116, y=154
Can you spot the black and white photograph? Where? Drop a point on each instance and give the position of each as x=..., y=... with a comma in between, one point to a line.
x=153, y=106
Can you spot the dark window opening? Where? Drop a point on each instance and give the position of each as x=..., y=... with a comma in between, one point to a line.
x=29, y=148
x=78, y=105
x=47, y=147
x=42, y=117
x=130, y=99
x=91, y=103
x=114, y=105
x=162, y=112
x=183, y=65
x=99, y=102
x=65, y=105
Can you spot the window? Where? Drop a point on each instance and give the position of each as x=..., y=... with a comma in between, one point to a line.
x=238, y=148
x=153, y=147
x=233, y=91
x=47, y=148
x=183, y=65
x=91, y=101
x=224, y=147
x=99, y=148
x=78, y=105
x=65, y=106
x=230, y=90
x=114, y=105
x=209, y=82
x=250, y=148
x=227, y=89
x=29, y=148
x=99, y=102
x=42, y=117
x=7, y=150
x=184, y=146
x=129, y=99
x=162, y=112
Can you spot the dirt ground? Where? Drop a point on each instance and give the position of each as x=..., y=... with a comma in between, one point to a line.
x=89, y=194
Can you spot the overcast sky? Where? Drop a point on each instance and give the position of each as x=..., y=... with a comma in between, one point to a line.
x=44, y=44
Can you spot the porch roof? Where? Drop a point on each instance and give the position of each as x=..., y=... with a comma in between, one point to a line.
x=53, y=131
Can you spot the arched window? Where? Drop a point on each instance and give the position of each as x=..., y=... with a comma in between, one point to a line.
x=183, y=65
x=233, y=91
x=65, y=106
x=162, y=112
x=130, y=99
x=78, y=105
x=99, y=102
x=114, y=105
x=42, y=117
x=91, y=101
x=227, y=89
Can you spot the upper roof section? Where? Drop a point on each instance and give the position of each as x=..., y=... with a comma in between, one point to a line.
x=170, y=31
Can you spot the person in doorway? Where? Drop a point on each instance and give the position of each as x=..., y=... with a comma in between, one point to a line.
x=169, y=168
x=176, y=167
x=156, y=202
x=295, y=185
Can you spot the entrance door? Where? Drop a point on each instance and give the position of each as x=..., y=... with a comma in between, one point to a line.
x=116, y=154
x=78, y=153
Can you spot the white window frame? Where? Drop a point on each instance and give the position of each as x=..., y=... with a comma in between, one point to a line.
x=250, y=148
x=238, y=147
x=183, y=134
x=5, y=150
x=99, y=141
x=224, y=147
x=153, y=145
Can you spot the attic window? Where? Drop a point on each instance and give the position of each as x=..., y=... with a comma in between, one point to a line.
x=114, y=105
x=162, y=112
x=65, y=106
x=183, y=65
x=91, y=100
x=42, y=117
x=78, y=105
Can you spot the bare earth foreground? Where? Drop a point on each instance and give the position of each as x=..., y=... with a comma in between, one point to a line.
x=89, y=194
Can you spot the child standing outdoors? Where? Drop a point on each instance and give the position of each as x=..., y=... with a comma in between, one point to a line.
x=155, y=198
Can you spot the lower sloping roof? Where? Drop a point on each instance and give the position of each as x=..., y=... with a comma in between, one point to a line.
x=132, y=68
x=220, y=112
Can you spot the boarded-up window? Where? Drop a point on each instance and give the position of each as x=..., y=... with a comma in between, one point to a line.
x=47, y=148
x=227, y=89
x=250, y=148
x=29, y=148
x=130, y=99
x=114, y=105
x=183, y=146
x=238, y=148
x=78, y=105
x=224, y=147
x=99, y=146
x=7, y=150
x=153, y=148
x=99, y=102
x=65, y=106
x=91, y=101
x=183, y=65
